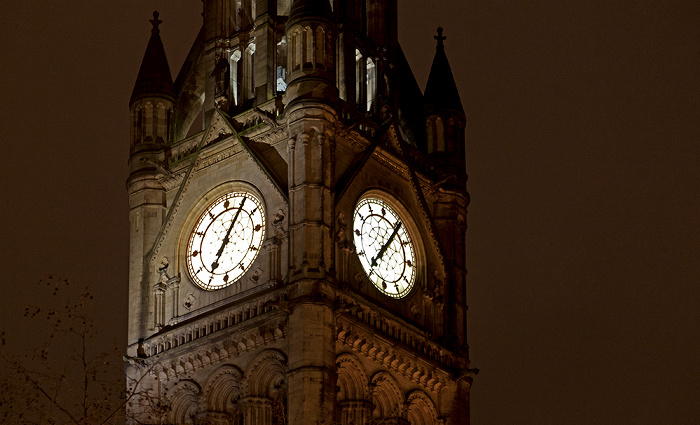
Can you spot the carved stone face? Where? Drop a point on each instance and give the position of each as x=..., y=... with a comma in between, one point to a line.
x=226, y=240
x=384, y=247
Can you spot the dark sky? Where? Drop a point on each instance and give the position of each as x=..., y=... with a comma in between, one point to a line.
x=583, y=160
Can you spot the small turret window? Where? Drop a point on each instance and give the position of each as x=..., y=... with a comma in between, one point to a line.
x=138, y=126
x=297, y=45
x=440, y=135
x=320, y=48
x=308, y=47
x=148, y=122
x=160, y=122
x=430, y=135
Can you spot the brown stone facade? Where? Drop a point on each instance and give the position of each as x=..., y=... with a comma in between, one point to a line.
x=318, y=110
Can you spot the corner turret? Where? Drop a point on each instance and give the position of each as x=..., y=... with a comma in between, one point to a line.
x=151, y=106
x=310, y=36
x=445, y=119
x=153, y=97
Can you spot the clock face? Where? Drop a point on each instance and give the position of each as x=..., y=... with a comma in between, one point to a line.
x=384, y=247
x=226, y=240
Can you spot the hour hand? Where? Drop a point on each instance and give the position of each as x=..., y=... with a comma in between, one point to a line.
x=386, y=245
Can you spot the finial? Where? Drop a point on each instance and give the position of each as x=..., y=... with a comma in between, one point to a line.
x=155, y=21
x=440, y=38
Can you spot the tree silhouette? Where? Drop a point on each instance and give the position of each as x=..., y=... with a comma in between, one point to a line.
x=69, y=375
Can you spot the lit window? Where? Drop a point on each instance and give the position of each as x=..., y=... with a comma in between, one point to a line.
x=282, y=65
x=371, y=83
x=235, y=73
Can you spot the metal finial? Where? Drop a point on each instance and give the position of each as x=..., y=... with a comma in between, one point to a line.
x=155, y=21
x=440, y=38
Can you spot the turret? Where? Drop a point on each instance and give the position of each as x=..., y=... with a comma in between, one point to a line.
x=310, y=34
x=445, y=119
x=153, y=97
x=151, y=106
x=445, y=122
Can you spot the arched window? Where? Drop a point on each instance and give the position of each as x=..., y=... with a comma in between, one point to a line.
x=308, y=47
x=160, y=121
x=235, y=71
x=320, y=48
x=359, y=77
x=440, y=127
x=430, y=135
x=450, y=136
x=282, y=65
x=138, y=125
x=298, y=49
x=250, y=71
x=148, y=121
x=371, y=83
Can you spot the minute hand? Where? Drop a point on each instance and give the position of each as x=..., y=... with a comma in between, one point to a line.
x=215, y=264
x=386, y=245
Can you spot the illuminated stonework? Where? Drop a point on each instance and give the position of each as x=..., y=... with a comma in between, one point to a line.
x=299, y=257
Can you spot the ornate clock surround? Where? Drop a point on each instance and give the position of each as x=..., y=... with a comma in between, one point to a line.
x=408, y=222
x=199, y=208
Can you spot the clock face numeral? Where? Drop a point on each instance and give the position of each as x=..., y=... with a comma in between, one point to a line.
x=384, y=247
x=226, y=240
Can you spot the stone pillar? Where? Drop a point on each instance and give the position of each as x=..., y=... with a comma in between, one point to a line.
x=311, y=376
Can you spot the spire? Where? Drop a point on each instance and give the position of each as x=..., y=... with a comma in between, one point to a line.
x=154, y=77
x=441, y=91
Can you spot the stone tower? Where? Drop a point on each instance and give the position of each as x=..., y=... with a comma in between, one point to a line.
x=297, y=222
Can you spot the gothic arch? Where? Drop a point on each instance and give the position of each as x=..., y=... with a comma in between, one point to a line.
x=421, y=409
x=182, y=399
x=352, y=379
x=387, y=396
x=266, y=374
x=222, y=389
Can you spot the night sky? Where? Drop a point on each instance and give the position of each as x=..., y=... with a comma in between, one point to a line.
x=583, y=161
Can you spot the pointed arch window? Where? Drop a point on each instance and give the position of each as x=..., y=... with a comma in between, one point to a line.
x=298, y=45
x=235, y=68
x=430, y=135
x=282, y=65
x=359, y=77
x=148, y=122
x=440, y=130
x=308, y=47
x=371, y=83
x=138, y=126
x=160, y=122
x=320, y=48
x=250, y=71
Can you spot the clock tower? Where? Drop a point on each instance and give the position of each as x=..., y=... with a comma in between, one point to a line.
x=297, y=221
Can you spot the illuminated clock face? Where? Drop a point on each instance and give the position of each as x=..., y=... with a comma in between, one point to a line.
x=384, y=247
x=226, y=240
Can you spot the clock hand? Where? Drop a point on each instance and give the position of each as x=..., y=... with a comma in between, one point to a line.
x=215, y=264
x=386, y=245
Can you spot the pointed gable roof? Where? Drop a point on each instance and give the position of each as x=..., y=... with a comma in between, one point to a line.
x=154, y=77
x=441, y=90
